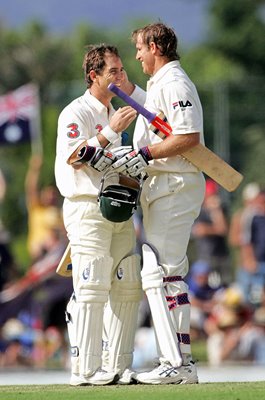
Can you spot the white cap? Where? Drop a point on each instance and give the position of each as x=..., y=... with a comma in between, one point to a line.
x=250, y=191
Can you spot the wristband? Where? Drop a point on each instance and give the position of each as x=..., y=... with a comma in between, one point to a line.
x=109, y=134
x=145, y=152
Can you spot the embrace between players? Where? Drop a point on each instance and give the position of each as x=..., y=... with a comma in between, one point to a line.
x=108, y=279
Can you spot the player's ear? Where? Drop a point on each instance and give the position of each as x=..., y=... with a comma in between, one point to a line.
x=153, y=47
x=92, y=75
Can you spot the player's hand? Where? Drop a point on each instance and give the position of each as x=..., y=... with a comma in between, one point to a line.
x=133, y=163
x=121, y=151
x=97, y=157
x=126, y=85
x=122, y=118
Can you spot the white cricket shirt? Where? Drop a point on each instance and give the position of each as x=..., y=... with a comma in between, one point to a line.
x=172, y=92
x=79, y=121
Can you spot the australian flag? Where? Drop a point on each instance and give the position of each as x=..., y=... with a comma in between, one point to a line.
x=20, y=115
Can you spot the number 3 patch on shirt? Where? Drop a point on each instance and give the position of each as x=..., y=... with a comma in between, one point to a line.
x=73, y=133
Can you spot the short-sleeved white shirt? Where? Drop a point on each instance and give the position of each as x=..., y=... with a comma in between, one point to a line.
x=81, y=121
x=172, y=92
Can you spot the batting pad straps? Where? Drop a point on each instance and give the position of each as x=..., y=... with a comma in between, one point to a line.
x=179, y=300
x=172, y=279
x=183, y=338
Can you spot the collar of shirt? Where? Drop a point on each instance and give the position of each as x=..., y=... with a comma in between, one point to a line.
x=100, y=108
x=161, y=72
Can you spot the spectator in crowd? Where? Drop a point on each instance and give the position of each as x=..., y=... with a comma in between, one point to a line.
x=239, y=233
x=233, y=331
x=254, y=248
x=202, y=296
x=259, y=322
x=44, y=211
x=209, y=233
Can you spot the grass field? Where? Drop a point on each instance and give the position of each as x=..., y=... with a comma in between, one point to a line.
x=204, y=391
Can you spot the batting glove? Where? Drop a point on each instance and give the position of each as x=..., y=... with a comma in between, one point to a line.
x=133, y=163
x=97, y=157
x=121, y=151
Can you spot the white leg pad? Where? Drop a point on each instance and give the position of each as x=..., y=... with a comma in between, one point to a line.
x=85, y=316
x=71, y=327
x=121, y=315
x=152, y=280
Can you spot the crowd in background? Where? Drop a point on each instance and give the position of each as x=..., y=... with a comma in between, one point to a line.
x=226, y=281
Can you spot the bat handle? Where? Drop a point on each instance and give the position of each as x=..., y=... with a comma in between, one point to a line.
x=141, y=110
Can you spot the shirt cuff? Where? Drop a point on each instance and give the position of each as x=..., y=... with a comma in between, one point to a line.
x=93, y=142
x=139, y=95
x=109, y=134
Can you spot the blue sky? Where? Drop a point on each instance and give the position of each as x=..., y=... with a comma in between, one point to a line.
x=189, y=18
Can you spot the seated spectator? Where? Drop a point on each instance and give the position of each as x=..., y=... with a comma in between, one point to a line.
x=259, y=348
x=209, y=234
x=201, y=296
x=232, y=335
x=241, y=239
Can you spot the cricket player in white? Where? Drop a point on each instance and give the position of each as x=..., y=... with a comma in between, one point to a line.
x=105, y=270
x=171, y=199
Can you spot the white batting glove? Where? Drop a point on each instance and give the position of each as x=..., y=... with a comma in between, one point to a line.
x=97, y=157
x=133, y=163
x=121, y=151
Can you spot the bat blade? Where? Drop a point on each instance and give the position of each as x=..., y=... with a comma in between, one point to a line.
x=210, y=163
x=65, y=265
x=214, y=166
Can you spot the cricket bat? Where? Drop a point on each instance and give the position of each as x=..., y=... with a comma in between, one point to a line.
x=200, y=156
x=65, y=265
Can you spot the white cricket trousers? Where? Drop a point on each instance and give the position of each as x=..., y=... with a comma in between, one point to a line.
x=171, y=202
x=92, y=235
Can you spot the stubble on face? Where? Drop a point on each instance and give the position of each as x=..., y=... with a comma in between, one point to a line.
x=145, y=56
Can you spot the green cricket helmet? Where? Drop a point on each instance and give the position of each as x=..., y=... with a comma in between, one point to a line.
x=119, y=200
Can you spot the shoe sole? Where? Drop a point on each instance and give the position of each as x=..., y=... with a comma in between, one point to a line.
x=99, y=383
x=159, y=382
x=133, y=381
x=179, y=382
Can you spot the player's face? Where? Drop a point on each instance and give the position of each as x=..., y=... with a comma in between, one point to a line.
x=145, y=56
x=113, y=71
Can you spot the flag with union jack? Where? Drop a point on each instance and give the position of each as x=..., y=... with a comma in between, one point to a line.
x=20, y=115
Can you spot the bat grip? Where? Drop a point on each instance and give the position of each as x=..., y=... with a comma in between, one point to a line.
x=141, y=110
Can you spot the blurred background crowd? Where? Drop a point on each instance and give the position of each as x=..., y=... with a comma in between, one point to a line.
x=227, y=247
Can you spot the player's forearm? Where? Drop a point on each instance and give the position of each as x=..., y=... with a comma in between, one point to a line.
x=174, y=145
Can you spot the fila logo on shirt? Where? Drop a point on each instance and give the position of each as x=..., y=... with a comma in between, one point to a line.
x=182, y=104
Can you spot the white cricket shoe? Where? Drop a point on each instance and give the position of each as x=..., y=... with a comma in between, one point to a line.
x=128, y=377
x=165, y=374
x=99, y=378
x=190, y=375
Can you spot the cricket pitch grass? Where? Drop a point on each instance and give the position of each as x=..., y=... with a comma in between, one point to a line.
x=203, y=391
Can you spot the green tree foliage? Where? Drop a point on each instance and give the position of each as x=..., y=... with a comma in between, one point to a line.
x=232, y=58
x=239, y=32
